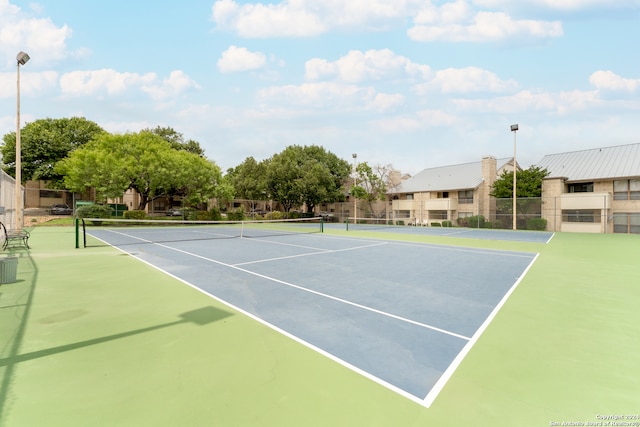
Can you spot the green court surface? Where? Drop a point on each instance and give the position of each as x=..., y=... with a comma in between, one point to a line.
x=93, y=337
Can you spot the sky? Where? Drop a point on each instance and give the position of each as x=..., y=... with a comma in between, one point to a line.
x=411, y=83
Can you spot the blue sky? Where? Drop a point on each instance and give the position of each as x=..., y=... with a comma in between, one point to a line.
x=412, y=83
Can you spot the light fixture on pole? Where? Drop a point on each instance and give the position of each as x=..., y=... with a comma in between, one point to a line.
x=22, y=59
x=355, y=182
x=514, y=129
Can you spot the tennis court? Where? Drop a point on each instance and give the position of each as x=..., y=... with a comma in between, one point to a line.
x=96, y=337
x=461, y=232
x=402, y=314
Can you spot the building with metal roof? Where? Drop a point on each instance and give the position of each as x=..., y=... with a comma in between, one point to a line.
x=622, y=161
x=596, y=190
x=448, y=193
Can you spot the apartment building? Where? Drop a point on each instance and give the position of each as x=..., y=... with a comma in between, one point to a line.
x=593, y=191
x=448, y=193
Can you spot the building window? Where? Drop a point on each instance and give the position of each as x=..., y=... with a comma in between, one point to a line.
x=51, y=194
x=626, y=223
x=581, y=187
x=465, y=197
x=582, y=215
x=438, y=215
x=403, y=214
x=626, y=189
x=409, y=196
x=443, y=195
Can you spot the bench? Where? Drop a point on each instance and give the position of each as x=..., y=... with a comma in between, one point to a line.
x=13, y=238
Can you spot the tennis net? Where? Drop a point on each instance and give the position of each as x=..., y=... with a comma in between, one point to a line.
x=118, y=232
x=367, y=223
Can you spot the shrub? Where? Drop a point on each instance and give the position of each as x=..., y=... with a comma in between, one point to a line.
x=135, y=214
x=476, y=221
x=447, y=223
x=539, y=224
x=238, y=215
x=274, y=215
x=215, y=214
x=436, y=224
x=94, y=211
x=203, y=216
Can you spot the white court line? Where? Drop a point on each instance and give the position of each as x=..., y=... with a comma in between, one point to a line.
x=439, y=385
x=320, y=252
x=434, y=391
x=311, y=291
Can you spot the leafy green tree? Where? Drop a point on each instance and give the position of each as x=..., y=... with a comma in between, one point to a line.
x=528, y=183
x=225, y=192
x=528, y=193
x=305, y=175
x=371, y=184
x=249, y=180
x=177, y=141
x=143, y=162
x=325, y=178
x=284, y=176
x=43, y=143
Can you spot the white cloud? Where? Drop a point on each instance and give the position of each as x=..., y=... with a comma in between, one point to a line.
x=288, y=19
x=106, y=80
x=611, y=81
x=111, y=82
x=453, y=21
x=177, y=83
x=306, y=18
x=464, y=80
x=422, y=119
x=358, y=66
x=384, y=102
x=30, y=83
x=459, y=22
x=436, y=118
x=236, y=59
x=397, y=124
x=319, y=95
x=529, y=102
x=39, y=37
x=561, y=5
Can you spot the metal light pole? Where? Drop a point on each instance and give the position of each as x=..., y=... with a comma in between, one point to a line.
x=355, y=182
x=22, y=59
x=514, y=129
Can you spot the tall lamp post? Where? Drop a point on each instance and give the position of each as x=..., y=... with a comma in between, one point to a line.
x=22, y=59
x=514, y=129
x=355, y=182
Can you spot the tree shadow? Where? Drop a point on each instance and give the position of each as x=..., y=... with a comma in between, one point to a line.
x=201, y=316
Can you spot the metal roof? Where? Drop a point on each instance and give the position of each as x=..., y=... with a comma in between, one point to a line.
x=622, y=161
x=445, y=178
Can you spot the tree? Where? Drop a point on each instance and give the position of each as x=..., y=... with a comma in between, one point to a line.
x=528, y=193
x=371, y=184
x=528, y=183
x=177, y=140
x=45, y=142
x=305, y=175
x=249, y=180
x=143, y=162
x=325, y=177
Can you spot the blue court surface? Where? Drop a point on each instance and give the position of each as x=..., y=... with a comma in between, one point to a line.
x=403, y=315
x=467, y=233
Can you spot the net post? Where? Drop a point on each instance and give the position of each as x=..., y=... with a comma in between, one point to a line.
x=346, y=222
x=322, y=224
x=77, y=233
x=84, y=233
